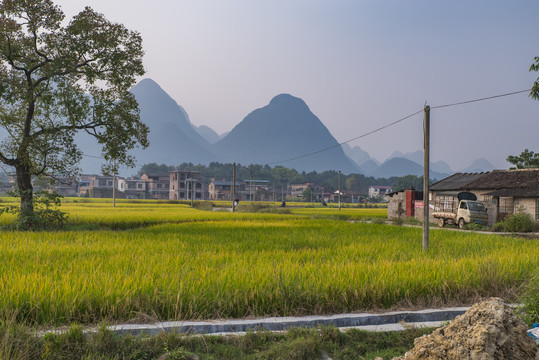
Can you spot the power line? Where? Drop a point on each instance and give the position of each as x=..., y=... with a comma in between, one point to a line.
x=347, y=141
x=480, y=99
x=380, y=128
x=95, y=157
x=398, y=121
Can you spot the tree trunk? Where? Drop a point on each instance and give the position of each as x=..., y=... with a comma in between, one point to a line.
x=26, y=190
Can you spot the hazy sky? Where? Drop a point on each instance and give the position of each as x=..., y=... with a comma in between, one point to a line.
x=357, y=64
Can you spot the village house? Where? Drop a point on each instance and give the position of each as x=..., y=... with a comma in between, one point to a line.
x=97, y=186
x=296, y=190
x=503, y=192
x=222, y=190
x=379, y=191
x=186, y=185
x=133, y=188
x=157, y=186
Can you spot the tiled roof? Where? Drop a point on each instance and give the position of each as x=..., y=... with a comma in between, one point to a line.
x=507, y=179
x=458, y=181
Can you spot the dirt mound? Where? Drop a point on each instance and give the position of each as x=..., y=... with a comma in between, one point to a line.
x=487, y=331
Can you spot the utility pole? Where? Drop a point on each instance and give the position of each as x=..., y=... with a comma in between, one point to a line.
x=192, y=191
x=426, y=161
x=114, y=185
x=339, y=190
x=234, y=188
x=251, y=187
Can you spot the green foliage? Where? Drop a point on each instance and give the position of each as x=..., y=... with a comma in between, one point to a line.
x=527, y=159
x=519, y=222
x=534, y=93
x=46, y=215
x=154, y=168
x=405, y=182
x=58, y=79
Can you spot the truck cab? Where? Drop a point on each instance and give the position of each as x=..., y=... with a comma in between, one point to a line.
x=470, y=211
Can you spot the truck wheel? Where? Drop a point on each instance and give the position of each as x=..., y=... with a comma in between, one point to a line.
x=441, y=222
x=461, y=223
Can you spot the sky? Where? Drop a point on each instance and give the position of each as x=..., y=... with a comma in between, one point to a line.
x=358, y=65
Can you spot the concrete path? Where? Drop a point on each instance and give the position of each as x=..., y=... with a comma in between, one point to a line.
x=390, y=321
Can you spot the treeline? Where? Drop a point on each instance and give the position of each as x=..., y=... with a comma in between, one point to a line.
x=281, y=176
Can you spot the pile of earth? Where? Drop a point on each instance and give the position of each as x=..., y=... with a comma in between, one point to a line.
x=489, y=330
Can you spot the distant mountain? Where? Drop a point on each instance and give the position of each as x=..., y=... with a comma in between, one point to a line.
x=402, y=167
x=173, y=139
x=369, y=167
x=359, y=156
x=282, y=130
x=479, y=165
x=208, y=133
x=418, y=157
x=441, y=167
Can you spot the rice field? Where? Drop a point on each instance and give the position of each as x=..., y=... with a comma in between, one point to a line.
x=172, y=262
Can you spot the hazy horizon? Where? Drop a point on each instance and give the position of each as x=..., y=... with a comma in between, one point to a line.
x=358, y=65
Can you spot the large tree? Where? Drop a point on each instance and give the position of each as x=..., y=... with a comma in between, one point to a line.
x=58, y=79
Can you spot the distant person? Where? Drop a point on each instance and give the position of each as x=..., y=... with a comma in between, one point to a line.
x=324, y=203
x=283, y=204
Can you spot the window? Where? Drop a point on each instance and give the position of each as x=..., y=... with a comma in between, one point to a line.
x=182, y=195
x=199, y=185
x=182, y=185
x=463, y=205
x=173, y=187
x=139, y=186
x=159, y=186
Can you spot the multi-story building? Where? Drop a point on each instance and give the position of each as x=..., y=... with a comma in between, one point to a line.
x=98, y=186
x=157, y=185
x=222, y=190
x=133, y=188
x=185, y=185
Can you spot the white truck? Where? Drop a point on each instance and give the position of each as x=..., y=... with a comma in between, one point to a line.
x=468, y=210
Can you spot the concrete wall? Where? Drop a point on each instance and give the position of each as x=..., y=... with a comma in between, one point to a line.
x=396, y=207
x=527, y=206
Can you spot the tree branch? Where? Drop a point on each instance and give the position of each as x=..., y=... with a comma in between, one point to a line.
x=7, y=161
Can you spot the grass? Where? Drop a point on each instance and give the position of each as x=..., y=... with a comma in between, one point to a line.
x=19, y=343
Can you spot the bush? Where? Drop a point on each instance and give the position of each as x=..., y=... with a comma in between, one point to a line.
x=519, y=222
x=46, y=215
